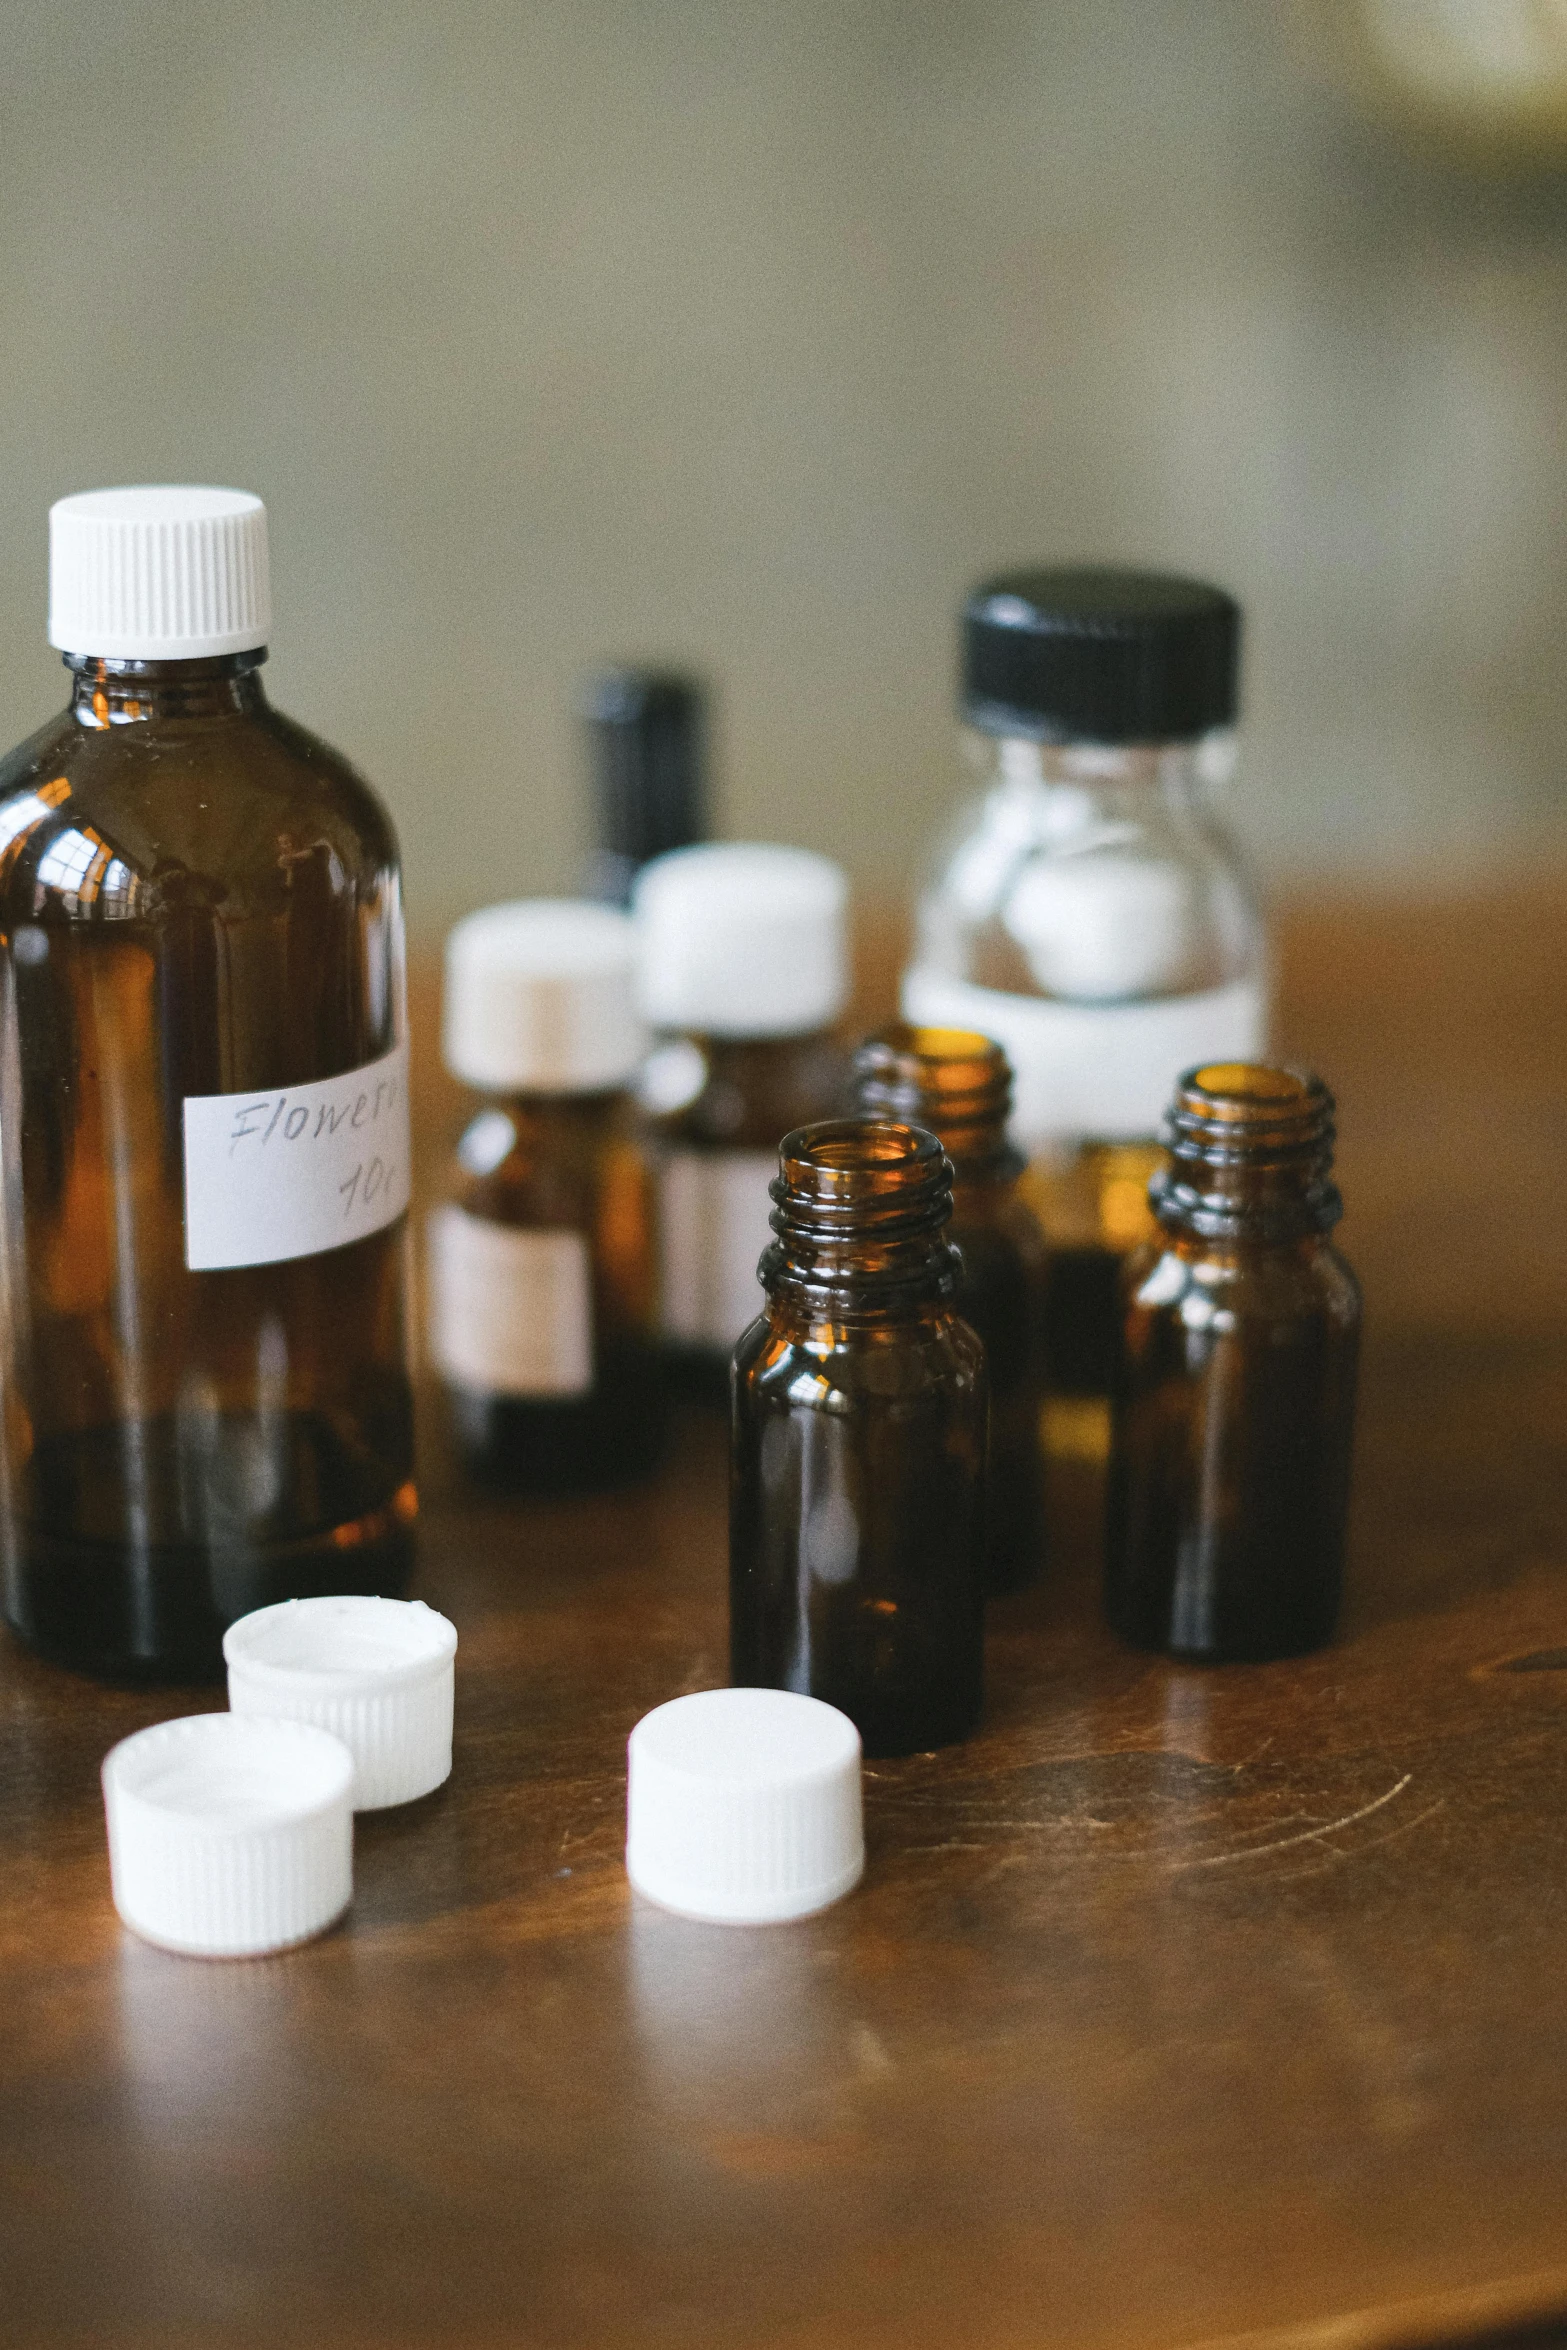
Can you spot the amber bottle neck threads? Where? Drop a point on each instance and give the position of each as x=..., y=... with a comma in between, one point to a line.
x=859, y=1206
x=1251, y=1153
x=128, y=693
x=953, y=1080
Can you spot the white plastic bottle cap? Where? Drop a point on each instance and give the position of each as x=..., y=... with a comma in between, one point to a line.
x=176, y=574
x=229, y=1836
x=743, y=1806
x=377, y=1673
x=740, y=939
x=540, y=998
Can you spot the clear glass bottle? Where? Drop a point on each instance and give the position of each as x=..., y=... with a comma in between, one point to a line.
x=959, y=1084
x=857, y=1547
x=1091, y=911
x=647, y=739
x=744, y=967
x=1235, y=1391
x=542, y=1259
x=203, y=1120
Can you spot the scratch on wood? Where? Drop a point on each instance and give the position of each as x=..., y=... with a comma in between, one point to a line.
x=1336, y=1852
x=1220, y=1860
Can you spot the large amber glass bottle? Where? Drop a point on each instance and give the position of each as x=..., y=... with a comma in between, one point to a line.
x=959, y=1084
x=1235, y=1391
x=857, y=1566
x=203, y=1118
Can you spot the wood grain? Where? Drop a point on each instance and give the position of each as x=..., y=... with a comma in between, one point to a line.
x=1177, y=2007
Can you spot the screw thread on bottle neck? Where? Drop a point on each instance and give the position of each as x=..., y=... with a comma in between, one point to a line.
x=1251, y=1153
x=952, y=1080
x=859, y=1204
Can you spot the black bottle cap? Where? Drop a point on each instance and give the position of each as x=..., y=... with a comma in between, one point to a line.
x=646, y=730
x=1088, y=654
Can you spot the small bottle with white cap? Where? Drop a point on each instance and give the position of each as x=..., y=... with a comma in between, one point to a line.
x=1093, y=913
x=542, y=1259
x=204, y=1392
x=744, y=967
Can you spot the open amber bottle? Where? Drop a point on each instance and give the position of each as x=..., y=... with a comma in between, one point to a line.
x=857, y=1564
x=1235, y=1392
x=959, y=1084
x=203, y=1120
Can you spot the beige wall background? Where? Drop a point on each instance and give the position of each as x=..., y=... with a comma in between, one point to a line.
x=746, y=336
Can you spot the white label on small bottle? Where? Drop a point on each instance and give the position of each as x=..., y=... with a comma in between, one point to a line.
x=275, y=1175
x=511, y=1312
x=1099, y=1072
x=713, y=1226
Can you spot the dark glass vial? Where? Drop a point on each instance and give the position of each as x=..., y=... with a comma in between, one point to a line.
x=542, y=1282
x=1235, y=1392
x=647, y=735
x=856, y=1552
x=959, y=1084
x=197, y=899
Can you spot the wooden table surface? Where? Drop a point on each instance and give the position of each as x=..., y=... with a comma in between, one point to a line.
x=1178, y=2006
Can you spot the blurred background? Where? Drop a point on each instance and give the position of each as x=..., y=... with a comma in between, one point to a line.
x=746, y=337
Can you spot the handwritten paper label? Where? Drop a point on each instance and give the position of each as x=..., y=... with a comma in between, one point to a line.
x=511, y=1312
x=288, y=1174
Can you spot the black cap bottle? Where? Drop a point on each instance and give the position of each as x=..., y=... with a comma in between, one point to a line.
x=1094, y=915
x=647, y=732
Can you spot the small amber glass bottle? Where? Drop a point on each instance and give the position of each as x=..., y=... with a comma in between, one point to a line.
x=1235, y=1392
x=857, y=1566
x=541, y=1262
x=203, y=1120
x=744, y=968
x=959, y=1084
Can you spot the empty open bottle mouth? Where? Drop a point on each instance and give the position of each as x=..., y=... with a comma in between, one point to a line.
x=952, y=1079
x=1248, y=1113
x=1251, y=1148
x=860, y=1199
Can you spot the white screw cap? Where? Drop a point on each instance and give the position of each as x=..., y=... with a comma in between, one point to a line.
x=540, y=998
x=166, y=574
x=743, y=1806
x=376, y=1673
x=742, y=939
x=229, y=1837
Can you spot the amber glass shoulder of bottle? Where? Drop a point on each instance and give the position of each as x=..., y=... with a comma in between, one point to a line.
x=569, y=1163
x=750, y=1092
x=196, y=897
x=859, y=1428
x=755, y=1090
x=1234, y=1402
